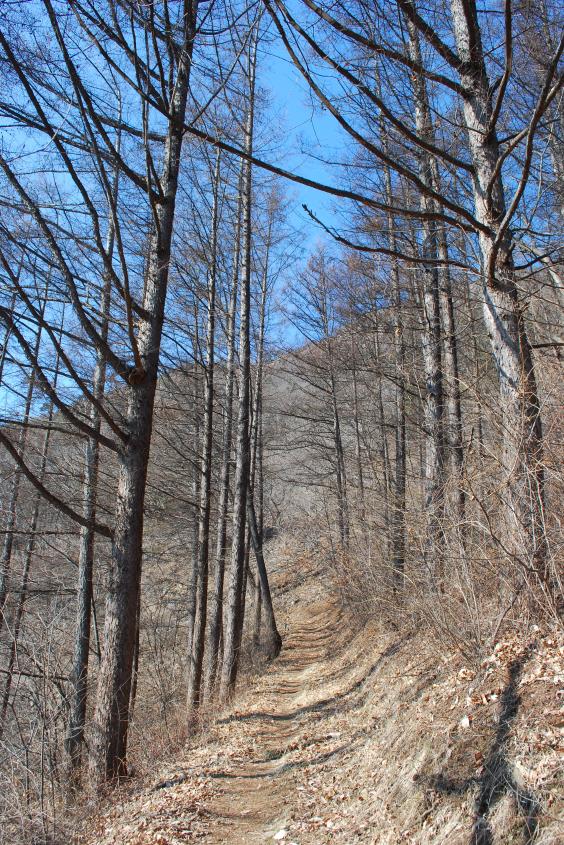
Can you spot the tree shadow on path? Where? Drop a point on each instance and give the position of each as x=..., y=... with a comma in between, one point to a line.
x=497, y=778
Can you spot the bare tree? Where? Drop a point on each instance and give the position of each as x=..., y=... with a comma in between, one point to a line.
x=197, y=656
x=234, y=615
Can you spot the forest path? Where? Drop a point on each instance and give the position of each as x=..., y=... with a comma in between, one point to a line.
x=240, y=780
x=257, y=794
x=343, y=738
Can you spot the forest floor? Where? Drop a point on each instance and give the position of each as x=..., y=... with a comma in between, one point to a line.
x=367, y=736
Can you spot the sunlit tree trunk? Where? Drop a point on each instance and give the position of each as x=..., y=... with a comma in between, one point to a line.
x=398, y=530
x=432, y=341
x=216, y=612
x=384, y=449
x=79, y=675
x=196, y=485
x=271, y=642
x=111, y=717
x=450, y=380
x=524, y=536
x=233, y=612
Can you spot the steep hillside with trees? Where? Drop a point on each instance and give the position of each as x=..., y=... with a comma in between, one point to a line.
x=234, y=338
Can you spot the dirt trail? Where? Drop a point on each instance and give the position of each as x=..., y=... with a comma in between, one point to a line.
x=257, y=794
x=357, y=737
x=239, y=783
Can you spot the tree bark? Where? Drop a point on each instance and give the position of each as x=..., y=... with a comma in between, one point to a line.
x=432, y=340
x=196, y=487
x=234, y=621
x=216, y=614
x=524, y=536
x=111, y=718
x=197, y=655
x=398, y=532
x=79, y=674
x=448, y=363
x=272, y=641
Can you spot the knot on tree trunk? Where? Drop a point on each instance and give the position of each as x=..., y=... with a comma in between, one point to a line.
x=136, y=375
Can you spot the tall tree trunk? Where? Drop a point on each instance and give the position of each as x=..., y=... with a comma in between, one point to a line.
x=524, y=537
x=272, y=642
x=234, y=621
x=136, y=650
x=196, y=487
x=357, y=441
x=111, y=718
x=477, y=395
x=398, y=527
x=259, y=489
x=453, y=404
x=384, y=450
x=398, y=531
x=432, y=341
x=197, y=656
x=340, y=473
x=79, y=674
x=216, y=614
x=452, y=410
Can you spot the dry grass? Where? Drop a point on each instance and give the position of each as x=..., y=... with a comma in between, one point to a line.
x=360, y=735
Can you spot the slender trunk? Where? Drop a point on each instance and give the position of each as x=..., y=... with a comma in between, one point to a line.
x=247, y=576
x=216, y=614
x=384, y=450
x=28, y=558
x=398, y=528
x=6, y=340
x=452, y=410
x=340, y=468
x=272, y=641
x=79, y=674
x=476, y=355
x=111, y=718
x=340, y=475
x=432, y=342
x=7, y=548
x=196, y=490
x=234, y=620
x=453, y=404
x=398, y=510
x=399, y=502
x=197, y=656
x=135, y=678
x=357, y=443
x=259, y=488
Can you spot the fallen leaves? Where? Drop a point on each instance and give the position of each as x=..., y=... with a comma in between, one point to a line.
x=351, y=765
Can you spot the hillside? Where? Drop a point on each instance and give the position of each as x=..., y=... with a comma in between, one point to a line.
x=361, y=734
x=281, y=430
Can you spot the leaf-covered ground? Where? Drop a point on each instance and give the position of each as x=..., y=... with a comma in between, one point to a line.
x=367, y=737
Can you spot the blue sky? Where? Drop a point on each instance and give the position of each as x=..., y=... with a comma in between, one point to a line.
x=309, y=134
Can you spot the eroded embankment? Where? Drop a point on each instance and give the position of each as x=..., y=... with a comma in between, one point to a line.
x=368, y=737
